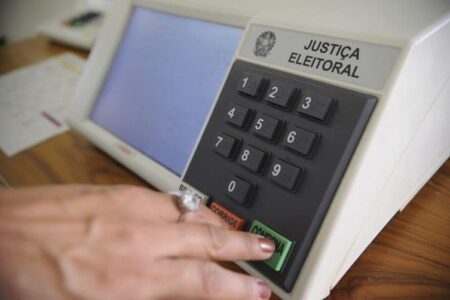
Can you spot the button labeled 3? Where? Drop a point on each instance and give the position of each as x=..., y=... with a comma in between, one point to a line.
x=315, y=105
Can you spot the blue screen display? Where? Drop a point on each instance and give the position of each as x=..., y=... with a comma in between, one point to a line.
x=162, y=83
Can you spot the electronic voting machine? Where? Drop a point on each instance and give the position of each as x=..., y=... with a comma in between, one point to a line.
x=309, y=122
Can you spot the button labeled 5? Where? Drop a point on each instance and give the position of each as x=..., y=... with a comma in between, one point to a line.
x=266, y=127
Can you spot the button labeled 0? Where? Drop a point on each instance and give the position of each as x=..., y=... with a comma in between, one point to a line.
x=239, y=190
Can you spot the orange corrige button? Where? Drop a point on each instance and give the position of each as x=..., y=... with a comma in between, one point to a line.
x=235, y=222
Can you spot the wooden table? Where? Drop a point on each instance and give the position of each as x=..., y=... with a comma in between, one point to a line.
x=410, y=258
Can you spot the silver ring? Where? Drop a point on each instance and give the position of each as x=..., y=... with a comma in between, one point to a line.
x=186, y=201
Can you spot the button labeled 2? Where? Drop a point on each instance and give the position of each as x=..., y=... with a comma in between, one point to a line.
x=280, y=94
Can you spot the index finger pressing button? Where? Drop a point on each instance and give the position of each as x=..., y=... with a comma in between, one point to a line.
x=282, y=244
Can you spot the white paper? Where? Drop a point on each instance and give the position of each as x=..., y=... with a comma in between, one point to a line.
x=34, y=101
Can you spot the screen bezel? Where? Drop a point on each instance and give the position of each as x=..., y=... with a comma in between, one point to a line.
x=95, y=74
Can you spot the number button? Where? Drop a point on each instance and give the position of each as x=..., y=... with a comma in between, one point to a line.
x=251, y=84
x=237, y=115
x=299, y=140
x=225, y=145
x=315, y=105
x=239, y=190
x=252, y=158
x=280, y=94
x=266, y=127
x=284, y=174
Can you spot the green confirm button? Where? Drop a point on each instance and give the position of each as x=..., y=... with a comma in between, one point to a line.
x=282, y=244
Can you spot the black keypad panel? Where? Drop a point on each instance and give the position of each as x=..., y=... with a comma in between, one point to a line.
x=285, y=159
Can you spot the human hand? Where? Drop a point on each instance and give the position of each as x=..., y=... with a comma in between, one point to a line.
x=119, y=242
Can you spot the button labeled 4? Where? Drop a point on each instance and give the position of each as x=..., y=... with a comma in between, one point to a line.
x=237, y=115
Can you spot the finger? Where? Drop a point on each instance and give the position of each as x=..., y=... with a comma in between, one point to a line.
x=194, y=279
x=181, y=240
x=203, y=216
x=211, y=242
x=86, y=270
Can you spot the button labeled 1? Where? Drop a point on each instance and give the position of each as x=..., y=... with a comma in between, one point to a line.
x=239, y=190
x=251, y=84
x=315, y=105
x=284, y=174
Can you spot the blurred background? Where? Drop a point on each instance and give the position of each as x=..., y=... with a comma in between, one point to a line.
x=20, y=19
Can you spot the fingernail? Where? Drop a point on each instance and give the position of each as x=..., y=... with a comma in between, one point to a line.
x=264, y=290
x=266, y=245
